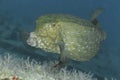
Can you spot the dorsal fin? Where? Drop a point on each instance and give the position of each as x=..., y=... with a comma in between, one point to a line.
x=95, y=14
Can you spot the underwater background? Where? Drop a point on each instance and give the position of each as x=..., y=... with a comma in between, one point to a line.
x=15, y=14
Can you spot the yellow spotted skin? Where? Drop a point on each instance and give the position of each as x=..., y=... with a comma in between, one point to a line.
x=82, y=38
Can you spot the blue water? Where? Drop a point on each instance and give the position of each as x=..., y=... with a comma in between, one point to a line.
x=24, y=13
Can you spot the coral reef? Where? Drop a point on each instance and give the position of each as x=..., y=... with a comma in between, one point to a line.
x=14, y=67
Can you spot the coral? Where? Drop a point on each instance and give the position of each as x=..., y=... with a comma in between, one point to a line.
x=15, y=68
x=11, y=67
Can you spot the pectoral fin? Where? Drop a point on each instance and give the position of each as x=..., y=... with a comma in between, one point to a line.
x=63, y=57
x=63, y=54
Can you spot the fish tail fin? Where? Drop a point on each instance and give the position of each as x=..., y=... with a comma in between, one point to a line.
x=95, y=14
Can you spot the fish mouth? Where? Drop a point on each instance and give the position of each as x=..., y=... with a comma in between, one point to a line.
x=32, y=40
x=35, y=41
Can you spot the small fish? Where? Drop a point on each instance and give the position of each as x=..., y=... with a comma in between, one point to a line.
x=70, y=36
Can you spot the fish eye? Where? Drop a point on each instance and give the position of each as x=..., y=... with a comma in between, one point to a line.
x=53, y=24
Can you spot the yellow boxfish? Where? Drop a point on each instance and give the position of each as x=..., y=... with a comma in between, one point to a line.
x=70, y=36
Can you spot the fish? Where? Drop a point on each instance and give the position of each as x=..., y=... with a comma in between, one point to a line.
x=69, y=36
